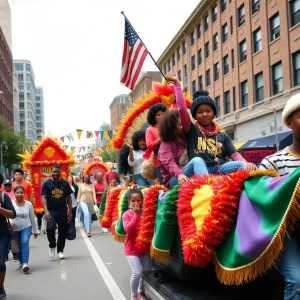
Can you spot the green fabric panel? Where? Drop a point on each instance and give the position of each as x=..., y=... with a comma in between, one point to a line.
x=103, y=202
x=164, y=233
x=119, y=227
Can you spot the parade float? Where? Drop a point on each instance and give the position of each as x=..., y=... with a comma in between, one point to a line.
x=95, y=166
x=47, y=153
x=214, y=236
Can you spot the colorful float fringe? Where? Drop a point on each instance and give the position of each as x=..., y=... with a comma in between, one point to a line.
x=146, y=230
x=103, y=203
x=269, y=209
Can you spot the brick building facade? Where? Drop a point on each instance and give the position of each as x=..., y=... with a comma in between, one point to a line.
x=246, y=54
x=118, y=108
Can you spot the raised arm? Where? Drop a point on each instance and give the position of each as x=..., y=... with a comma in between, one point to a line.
x=181, y=105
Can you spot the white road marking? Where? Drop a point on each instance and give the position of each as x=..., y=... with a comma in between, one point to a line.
x=109, y=263
x=63, y=274
x=107, y=278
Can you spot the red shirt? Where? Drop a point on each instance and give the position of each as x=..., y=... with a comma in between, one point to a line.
x=110, y=175
x=26, y=186
x=99, y=187
x=152, y=141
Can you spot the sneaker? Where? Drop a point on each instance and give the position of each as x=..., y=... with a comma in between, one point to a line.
x=3, y=295
x=61, y=255
x=25, y=268
x=143, y=296
x=20, y=266
x=51, y=252
x=88, y=234
x=15, y=258
x=104, y=230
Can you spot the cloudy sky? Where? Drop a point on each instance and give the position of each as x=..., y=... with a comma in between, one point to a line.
x=76, y=47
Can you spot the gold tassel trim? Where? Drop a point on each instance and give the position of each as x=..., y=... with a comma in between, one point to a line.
x=119, y=237
x=162, y=256
x=249, y=272
x=269, y=172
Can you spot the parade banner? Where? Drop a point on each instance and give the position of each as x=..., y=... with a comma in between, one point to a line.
x=46, y=153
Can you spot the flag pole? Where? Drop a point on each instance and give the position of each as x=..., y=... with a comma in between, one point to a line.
x=155, y=63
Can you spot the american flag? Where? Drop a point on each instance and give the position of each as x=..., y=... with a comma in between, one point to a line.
x=134, y=55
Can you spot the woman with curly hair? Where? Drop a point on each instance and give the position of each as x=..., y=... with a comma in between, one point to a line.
x=152, y=138
x=131, y=155
x=175, y=168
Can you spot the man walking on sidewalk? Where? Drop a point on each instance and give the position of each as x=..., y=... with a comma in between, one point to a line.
x=57, y=202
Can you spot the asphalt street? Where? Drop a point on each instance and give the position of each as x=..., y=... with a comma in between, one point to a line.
x=94, y=268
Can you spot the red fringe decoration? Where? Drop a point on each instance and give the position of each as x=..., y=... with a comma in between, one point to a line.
x=111, y=203
x=146, y=230
x=95, y=164
x=199, y=246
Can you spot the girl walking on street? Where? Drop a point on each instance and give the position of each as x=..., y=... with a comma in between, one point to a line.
x=23, y=225
x=74, y=188
x=6, y=211
x=87, y=199
x=139, y=263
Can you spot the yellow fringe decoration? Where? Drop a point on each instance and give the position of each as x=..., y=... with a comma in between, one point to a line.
x=119, y=238
x=162, y=256
x=244, y=274
x=269, y=172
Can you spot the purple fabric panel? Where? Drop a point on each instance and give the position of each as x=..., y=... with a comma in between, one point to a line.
x=276, y=182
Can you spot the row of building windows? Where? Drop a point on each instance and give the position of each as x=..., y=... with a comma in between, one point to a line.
x=277, y=84
x=274, y=33
x=20, y=67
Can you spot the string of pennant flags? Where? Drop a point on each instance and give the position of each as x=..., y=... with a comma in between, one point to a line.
x=89, y=134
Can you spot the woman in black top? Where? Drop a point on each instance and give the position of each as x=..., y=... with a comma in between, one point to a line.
x=7, y=211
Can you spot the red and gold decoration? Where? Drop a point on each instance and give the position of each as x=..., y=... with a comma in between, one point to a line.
x=95, y=166
x=136, y=117
x=47, y=153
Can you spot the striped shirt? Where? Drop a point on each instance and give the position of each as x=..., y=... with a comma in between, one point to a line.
x=284, y=162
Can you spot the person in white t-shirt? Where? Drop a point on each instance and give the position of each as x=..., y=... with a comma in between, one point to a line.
x=137, y=149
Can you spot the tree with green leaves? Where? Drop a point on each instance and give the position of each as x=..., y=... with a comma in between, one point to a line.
x=109, y=155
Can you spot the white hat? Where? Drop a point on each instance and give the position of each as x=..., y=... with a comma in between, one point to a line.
x=292, y=105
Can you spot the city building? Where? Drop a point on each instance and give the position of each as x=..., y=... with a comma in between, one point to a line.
x=144, y=84
x=100, y=141
x=27, y=99
x=6, y=81
x=118, y=108
x=246, y=54
x=5, y=21
x=16, y=101
x=39, y=106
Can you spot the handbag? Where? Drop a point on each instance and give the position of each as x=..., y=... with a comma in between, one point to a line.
x=11, y=235
x=71, y=232
x=96, y=209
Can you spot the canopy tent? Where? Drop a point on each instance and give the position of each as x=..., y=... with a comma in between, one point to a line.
x=239, y=145
x=285, y=139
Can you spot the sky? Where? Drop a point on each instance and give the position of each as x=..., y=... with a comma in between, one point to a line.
x=76, y=47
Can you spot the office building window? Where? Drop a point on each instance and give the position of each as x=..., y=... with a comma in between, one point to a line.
x=274, y=27
x=28, y=67
x=244, y=94
x=173, y=60
x=19, y=67
x=21, y=105
x=257, y=43
x=255, y=6
x=225, y=65
x=207, y=50
x=224, y=33
x=243, y=51
x=179, y=75
x=234, y=98
x=295, y=12
x=259, y=87
x=199, y=54
x=20, y=77
x=218, y=107
x=277, y=78
x=21, y=96
x=241, y=15
x=194, y=86
x=192, y=38
x=183, y=48
x=165, y=68
x=21, y=86
x=296, y=68
x=200, y=83
x=216, y=40
x=185, y=71
x=193, y=62
x=216, y=71
x=214, y=13
x=207, y=77
x=206, y=22
x=231, y=25
x=227, y=102
x=223, y=5
x=178, y=54
x=37, y=98
x=198, y=31
x=232, y=59
x=169, y=65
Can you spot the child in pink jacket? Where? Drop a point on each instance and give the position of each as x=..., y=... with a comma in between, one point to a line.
x=139, y=263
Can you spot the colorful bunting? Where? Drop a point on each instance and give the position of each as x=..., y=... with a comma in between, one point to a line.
x=89, y=134
x=62, y=139
x=110, y=133
x=70, y=137
x=105, y=134
x=97, y=133
x=79, y=133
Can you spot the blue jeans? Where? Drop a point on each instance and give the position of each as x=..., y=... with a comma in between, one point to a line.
x=3, y=250
x=23, y=237
x=87, y=211
x=142, y=181
x=197, y=166
x=288, y=266
x=158, y=175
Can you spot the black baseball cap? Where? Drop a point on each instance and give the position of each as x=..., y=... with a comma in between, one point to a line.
x=7, y=182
